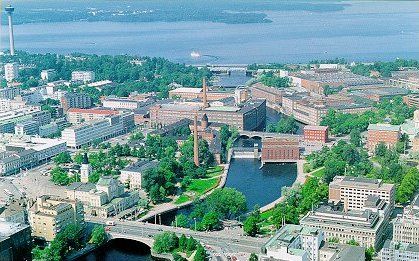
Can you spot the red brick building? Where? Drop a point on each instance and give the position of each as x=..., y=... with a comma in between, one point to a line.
x=280, y=150
x=314, y=133
x=382, y=133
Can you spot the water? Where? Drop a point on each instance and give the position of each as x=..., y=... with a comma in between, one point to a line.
x=121, y=250
x=299, y=32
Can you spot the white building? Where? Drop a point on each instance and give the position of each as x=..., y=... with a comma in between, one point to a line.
x=406, y=226
x=396, y=251
x=9, y=92
x=295, y=243
x=9, y=104
x=82, y=76
x=121, y=103
x=48, y=75
x=11, y=71
x=132, y=174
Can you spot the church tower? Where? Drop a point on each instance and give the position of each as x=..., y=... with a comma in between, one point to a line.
x=85, y=169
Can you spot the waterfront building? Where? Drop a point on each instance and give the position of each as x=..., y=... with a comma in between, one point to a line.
x=280, y=150
x=82, y=76
x=132, y=174
x=9, y=92
x=51, y=214
x=294, y=242
x=316, y=134
x=77, y=115
x=382, y=133
x=406, y=226
x=15, y=240
x=367, y=226
x=271, y=94
x=187, y=93
x=397, y=251
x=48, y=75
x=354, y=191
x=106, y=198
x=11, y=71
x=85, y=133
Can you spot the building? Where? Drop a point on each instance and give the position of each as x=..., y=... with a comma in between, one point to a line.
x=294, y=242
x=397, y=251
x=280, y=150
x=101, y=85
x=382, y=133
x=367, y=226
x=185, y=93
x=106, y=198
x=76, y=115
x=130, y=103
x=132, y=175
x=316, y=134
x=76, y=100
x=50, y=214
x=355, y=190
x=15, y=241
x=11, y=71
x=406, y=226
x=48, y=75
x=27, y=128
x=84, y=134
x=341, y=252
x=83, y=76
x=14, y=211
x=9, y=92
x=271, y=94
x=411, y=100
x=48, y=129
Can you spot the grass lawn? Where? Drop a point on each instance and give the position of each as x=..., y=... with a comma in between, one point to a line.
x=197, y=188
x=319, y=173
x=214, y=171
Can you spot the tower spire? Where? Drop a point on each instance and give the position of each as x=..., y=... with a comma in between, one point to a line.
x=195, y=141
x=9, y=10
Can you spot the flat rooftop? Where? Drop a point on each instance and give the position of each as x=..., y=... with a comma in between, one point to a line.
x=384, y=127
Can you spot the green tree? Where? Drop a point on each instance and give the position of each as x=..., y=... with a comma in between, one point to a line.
x=200, y=253
x=369, y=253
x=63, y=157
x=352, y=242
x=285, y=125
x=183, y=241
x=251, y=226
x=177, y=257
x=98, y=236
x=181, y=220
x=191, y=244
x=59, y=176
x=381, y=150
x=253, y=257
x=355, y=137
x=210, y=221
x=165, y=243
x=408, y=186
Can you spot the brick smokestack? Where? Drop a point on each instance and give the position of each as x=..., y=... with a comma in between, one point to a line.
x=195, y=142
x=204, y=93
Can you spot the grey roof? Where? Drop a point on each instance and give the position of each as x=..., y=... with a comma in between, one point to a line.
x=384, y=127
x=141, y=165
x=81, y=186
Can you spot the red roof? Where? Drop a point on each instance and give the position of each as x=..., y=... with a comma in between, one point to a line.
x=93, y=111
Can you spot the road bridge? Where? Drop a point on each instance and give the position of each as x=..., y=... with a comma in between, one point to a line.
x=229, y=240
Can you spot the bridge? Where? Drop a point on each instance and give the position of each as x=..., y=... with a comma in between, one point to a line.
x=224, y=68
x=262, y=135
x=226, y=240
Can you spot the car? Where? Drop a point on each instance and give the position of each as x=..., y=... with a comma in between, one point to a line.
x=110, y=223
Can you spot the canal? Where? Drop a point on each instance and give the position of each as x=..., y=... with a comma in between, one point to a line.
x=119, y=249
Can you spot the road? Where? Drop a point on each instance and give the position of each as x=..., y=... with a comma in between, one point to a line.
x=228, y=240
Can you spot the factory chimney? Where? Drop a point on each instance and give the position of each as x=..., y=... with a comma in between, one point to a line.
x=204, y=93
x=195, y=142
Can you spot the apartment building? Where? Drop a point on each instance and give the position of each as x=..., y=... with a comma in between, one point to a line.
x=406, y=226
x=122, y=103
x=82, y=76
x=12, y=104
x=27, y=128
x=355, y=190
x=51, y=214
x=367, y=226
x=271, y=94
x=382, y=133
x=48, y=75
x=9, y=92
x=11, y=71
x=76, y=100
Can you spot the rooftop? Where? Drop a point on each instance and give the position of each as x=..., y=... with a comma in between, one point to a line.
x=9, y=228
x=384, y=127
x=186, y=89
x=141, y=165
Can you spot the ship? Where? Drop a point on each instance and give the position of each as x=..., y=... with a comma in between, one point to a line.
x=195, y=54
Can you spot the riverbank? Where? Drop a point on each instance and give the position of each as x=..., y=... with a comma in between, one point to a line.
x=301, y=178
x=167, y=207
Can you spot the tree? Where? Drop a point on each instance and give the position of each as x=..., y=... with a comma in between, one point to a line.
x=177, y=257
x=59, y=176
x=200, y=253
x=183, y=241
x=352, y=242
x=63, y=157
x=210, y=221
x=355, y=137
x=285, y=125
x=369, y=253
x=381, y=149
x=181, y=220
x=408, y=186
x=191, y=244
x=165, y=243
x=253, y=257
x=98, y=236
x=251, y=226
